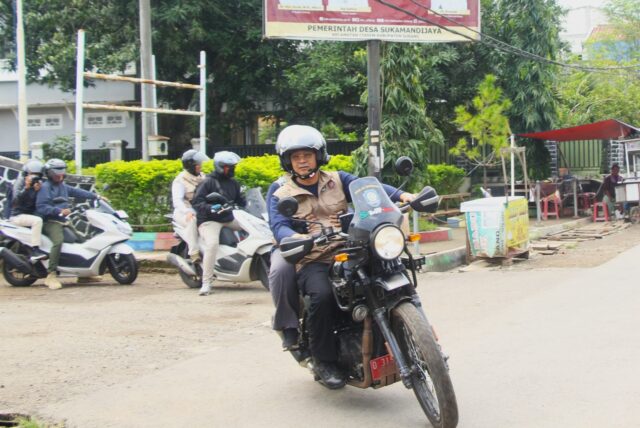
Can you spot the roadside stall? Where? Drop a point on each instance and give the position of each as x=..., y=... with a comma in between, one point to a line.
x=571, y=190
x=628, y=192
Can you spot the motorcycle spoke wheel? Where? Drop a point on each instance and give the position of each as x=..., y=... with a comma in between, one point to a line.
x=430, y=375
x=123, y=268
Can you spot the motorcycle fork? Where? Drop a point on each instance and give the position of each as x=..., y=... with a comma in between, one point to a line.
x=380, y=317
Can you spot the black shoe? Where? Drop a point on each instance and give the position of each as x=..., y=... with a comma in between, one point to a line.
x=329, y=375
x=290, y=339
x=38, y=254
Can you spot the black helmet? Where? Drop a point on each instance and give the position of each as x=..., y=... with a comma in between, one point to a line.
x=301, y=137
x=225, y=158
x=33, y=167
x=191, y=159
x=54, y=167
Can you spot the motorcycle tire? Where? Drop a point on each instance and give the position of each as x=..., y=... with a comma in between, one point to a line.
x=190, y=280
x=430, y=380
x=262, y=269
x=123, y=268
x=14, y=276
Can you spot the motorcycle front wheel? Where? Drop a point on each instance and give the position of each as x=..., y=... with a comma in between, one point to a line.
x=123, y=267
x=430, y=375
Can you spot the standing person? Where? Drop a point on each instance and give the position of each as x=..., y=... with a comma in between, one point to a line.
x=609, y=188
x=210, y=221
x=23, y=206
x=321, y=196
x=55, y=214
x=183, y=190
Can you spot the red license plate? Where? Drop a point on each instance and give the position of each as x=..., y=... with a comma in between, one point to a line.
x=382, y=367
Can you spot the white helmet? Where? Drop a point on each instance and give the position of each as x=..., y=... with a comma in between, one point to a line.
x=301, y=137
x=225, y=158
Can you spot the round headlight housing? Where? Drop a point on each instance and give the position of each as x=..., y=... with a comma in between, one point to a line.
x=388, y=242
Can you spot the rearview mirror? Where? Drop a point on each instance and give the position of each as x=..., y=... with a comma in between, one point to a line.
x=288, y=206
x=404, y=166
x=426, y=201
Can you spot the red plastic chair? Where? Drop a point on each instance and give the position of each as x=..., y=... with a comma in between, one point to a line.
x=556, y=206
x=605, y=212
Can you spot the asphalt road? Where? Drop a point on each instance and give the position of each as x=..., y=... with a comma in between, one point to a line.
x=544, y=348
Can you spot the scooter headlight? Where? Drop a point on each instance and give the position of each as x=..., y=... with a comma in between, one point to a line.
x=388, y=242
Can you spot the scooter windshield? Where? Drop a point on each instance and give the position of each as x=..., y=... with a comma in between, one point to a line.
x=372, y=207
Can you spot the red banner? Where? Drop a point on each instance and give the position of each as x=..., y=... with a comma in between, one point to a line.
x=418, y=21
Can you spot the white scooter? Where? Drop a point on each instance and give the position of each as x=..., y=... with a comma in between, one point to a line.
x=96, y=244
x=243, y=256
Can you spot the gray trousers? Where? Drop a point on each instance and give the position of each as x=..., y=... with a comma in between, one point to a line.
x=284, y=291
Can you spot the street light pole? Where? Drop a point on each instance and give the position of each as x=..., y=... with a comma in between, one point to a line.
x=374, y=107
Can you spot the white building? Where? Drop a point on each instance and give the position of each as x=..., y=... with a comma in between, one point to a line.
x=581, y=18
x=51, y=113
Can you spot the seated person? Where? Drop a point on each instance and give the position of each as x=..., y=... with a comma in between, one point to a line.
x=183, y=189
x=23, y=206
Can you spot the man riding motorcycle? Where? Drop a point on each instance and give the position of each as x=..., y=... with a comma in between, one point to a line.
x=321, y=196
x=210, y=221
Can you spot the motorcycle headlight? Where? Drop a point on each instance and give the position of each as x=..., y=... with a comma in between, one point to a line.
x=388, y=242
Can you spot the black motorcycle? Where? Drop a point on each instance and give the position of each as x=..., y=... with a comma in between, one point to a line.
x=382, y=331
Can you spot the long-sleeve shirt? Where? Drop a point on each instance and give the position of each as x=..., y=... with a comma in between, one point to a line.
x=177, y=197
x=283, y=227
x=24, y=202
x=45, y=207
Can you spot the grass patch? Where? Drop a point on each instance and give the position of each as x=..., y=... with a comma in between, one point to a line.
x=425, y=225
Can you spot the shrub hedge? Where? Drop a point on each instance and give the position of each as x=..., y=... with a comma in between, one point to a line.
x=143, y=189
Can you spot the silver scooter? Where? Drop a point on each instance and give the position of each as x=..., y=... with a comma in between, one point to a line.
x=243, y=256
x=95, y=243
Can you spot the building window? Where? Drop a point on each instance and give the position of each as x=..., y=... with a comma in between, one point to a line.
x=105, y=120
x=44, y=122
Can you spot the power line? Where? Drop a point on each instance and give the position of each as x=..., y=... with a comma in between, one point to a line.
x=495, y=43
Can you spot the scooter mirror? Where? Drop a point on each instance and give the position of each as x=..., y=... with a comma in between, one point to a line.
x=288, y=206
x=215, y=198
x=427, y=200
x=404, y=166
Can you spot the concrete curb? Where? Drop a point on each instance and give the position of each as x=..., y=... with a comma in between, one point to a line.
x=438, y=262
x=451, y=259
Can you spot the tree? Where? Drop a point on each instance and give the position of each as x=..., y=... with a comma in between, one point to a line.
x=407, y=129
x=486, y=123
x=623, y=42
x=532, y=26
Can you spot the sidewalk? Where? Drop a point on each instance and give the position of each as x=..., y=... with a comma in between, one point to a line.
x=440, y=256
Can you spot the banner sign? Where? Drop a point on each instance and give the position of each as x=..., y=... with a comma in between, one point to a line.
x=357, y=20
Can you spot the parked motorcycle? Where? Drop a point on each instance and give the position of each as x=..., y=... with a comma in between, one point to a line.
x=95, y=243
x=242, y=257
x=382, y=332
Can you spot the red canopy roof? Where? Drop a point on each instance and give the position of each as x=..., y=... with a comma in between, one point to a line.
x=611, y=129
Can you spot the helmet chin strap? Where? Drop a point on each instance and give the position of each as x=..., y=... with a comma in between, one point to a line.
x=305, y=176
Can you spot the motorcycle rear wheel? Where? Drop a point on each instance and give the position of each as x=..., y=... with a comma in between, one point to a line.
x=430, y=379
x=14, y=276
x=190, y=280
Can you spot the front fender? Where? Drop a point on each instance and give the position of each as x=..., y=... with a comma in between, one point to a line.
x=120, y=249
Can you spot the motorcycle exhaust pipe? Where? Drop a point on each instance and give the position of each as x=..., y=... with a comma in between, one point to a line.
x=181, y=264
x=14, y=261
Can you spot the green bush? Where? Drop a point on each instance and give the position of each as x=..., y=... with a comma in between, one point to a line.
x=446, y=179
x=258, y=171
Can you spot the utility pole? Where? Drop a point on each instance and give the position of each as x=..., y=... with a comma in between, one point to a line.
x=23, y=132
x=145, y=62
x=374, y=107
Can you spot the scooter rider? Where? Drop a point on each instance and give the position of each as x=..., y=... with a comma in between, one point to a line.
x=183, y=190
x=210, y=221
x=23, y=206
x=55, y=215
x=321, y=196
